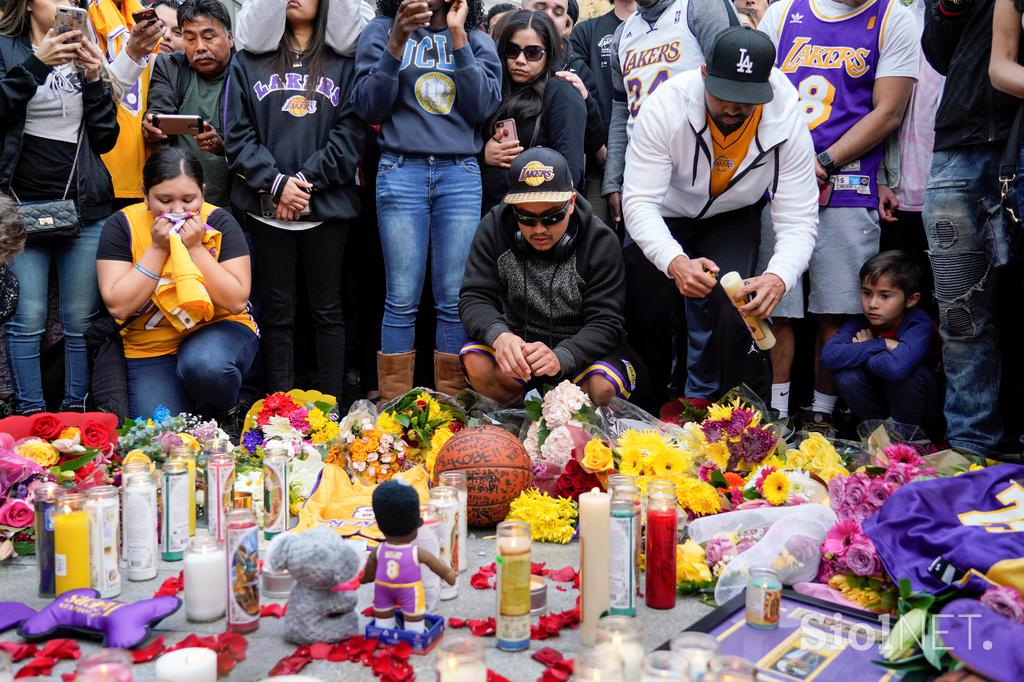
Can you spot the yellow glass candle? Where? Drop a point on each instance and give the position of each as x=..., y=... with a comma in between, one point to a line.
x=71, y=543
x=188, y=455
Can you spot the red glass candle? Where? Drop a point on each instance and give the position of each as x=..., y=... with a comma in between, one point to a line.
x=662, y=519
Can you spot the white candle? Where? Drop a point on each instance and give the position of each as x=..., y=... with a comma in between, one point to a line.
x=206, y=592
x=595, y=508
x=631, y=653
x=462, y=672
x=187, y=665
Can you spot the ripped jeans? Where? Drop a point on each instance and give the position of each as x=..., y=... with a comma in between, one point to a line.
x=962, y=194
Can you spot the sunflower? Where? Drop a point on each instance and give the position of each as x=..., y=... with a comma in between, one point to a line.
x=776, y=488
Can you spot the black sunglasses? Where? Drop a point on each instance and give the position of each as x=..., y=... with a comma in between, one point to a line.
x=534, y=53
x=546, y=220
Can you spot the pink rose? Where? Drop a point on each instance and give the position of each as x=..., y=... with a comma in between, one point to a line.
x=826, y=570
x=856, y=490
x=17, y=514
x=862, y=559
x=719, y=549
x=1006, y=601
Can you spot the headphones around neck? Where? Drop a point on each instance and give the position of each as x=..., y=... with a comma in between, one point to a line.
x=561, y=250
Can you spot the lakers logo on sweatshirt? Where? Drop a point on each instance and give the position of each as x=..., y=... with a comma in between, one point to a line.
x=298, y=106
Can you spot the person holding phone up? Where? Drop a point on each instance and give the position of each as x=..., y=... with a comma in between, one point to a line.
x=293, y=139
x=54, y=122
x=192, y=82
x=429, y=77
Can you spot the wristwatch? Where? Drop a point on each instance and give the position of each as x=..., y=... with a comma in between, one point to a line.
x=827, y=162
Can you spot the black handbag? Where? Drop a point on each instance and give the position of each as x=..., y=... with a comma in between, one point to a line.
x=46, y=220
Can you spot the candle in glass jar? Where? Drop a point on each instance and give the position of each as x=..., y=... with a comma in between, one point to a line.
x=104, y=509
x=457, y=480
x=428, y=541
x=697, y=649
x=71, y=543
x=243, y=574
x=193, y=664
x=460, y=659
x=220, y=482
x=206, y=592
x=764, y=597
x=621, y=635
x=45, y=508
x=731, y=669
x=275, y=492
x=175, y=504
x=595, y=509
x=513, y=586
x=188, y=456
x=663, y=666
x=139, y=526
x=623, y=548
x=105, y=665
x=598, y=665
x=662, y=517
x=445, y=502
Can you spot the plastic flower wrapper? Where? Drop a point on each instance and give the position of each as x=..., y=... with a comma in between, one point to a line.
x=877, y=434
x=619, y=416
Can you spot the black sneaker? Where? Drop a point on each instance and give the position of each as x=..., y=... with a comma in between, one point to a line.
x=818, y=422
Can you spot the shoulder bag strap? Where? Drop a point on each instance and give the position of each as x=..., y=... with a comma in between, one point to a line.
x=74, y=164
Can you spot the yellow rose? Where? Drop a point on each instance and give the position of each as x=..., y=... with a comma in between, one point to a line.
x=387, y=423
x=70, y=433
x=691, y=564
x=40, y=452
x=597, y=457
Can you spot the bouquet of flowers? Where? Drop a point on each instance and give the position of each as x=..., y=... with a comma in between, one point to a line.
x=75, y=450
x=301, y=422
x=693, y=573
x=734, y=437
x=549, y=439
x=817, y=456
x=374, y=446
x=153, y=439
x=425, y=421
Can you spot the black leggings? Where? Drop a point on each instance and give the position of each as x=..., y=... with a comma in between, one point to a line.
x=279, y=255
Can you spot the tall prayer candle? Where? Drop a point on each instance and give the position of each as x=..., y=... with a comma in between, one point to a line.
x=457, y=480
x=139, y=527
x=661, y=550
x=46, y=496
x=206, y=591
x=187, y=455
x=104, y=508
x=275, y=492
x=175, y=506
x=513, y=565
x=445, y=502
x=220, y=483
x=624, y=545
x=71, y=543
x=595, y=510
x=428, y=541
x=243, y=574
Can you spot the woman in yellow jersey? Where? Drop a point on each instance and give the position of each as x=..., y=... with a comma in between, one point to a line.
x=178, y=268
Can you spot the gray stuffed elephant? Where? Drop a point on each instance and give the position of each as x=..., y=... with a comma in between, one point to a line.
x=319, y=560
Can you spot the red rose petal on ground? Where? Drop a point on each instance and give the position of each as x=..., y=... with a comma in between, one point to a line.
x=290, y=665
x=225, y=664
x=489, y=569
x=495, y=677
x=319, y=651
x=456, y=623
x=171, y=586
x=150, y=652
x=564, y=575
x=68, y=677
x=368, y=611
x=276, y=611
x=402, y=650
x=17, y=651
x=39, y=666
x=483, y=628
x=480, y=581
x=233, y=644
x=560, y=588
x=546, y=656
x=61, y=649
x=538, y=569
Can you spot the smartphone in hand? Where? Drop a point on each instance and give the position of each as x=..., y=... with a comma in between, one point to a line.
x=505, y=130
x=178, y=124
x=70, y=19
x=144, y=15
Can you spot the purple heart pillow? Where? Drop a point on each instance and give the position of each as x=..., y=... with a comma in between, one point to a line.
x=12, y=613
x=120, y=625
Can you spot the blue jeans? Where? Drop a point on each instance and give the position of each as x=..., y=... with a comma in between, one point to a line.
x=425, y=202
x=962, y=194
x=79, y=303
x=916, y=399
x=205, y=375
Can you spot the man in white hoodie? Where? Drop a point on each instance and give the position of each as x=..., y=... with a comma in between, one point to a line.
x=708, y=147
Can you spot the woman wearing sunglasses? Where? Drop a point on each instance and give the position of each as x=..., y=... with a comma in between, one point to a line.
x=543, y=294
x=546, y=111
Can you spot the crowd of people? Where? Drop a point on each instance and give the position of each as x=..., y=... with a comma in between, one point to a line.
x=213, y=207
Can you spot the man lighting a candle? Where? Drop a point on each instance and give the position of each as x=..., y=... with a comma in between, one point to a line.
x=543, y=293
x=708, y=146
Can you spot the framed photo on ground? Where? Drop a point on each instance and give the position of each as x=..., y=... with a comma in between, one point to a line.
x=816, y=640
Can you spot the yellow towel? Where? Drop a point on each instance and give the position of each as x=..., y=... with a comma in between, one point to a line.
x=181, y=294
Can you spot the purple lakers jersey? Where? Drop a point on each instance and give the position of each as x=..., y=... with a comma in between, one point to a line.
x=966, y=531
x=832, y=64
x=397, y=565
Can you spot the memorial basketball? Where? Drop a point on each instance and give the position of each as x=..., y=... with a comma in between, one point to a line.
x=497, y=469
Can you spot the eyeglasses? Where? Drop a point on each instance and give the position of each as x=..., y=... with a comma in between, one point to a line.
x=534, y=53
x=546, y=220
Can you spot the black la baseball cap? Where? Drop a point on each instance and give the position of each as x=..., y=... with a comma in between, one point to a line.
x=539, y=174
x=739, y=65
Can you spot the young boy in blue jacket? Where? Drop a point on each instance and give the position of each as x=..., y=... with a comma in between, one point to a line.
x=885, y=362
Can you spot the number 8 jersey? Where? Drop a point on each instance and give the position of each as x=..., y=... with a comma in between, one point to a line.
x=649, y=55
x=832, y=62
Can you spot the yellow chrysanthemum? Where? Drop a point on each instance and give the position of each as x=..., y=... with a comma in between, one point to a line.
x=316, y=419
x=39, y=451
x=70, y=433
x=691, y=564
x=667, y=463
x=551, y=519
x=597, y=456
x=326, y=433
x=387, y=423
x=776, y=488
x=697, y=496
x=631, y=462
x=719, y=454
x=437, y=441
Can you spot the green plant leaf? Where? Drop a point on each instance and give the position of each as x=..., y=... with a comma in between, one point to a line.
x=920, y=600
x=532, y=408
x=718, y=479
x=915, y=662
x=403, y=420
x=75, y=464
x=905, y=588
x=323, y=407
x=752, y=494
x=24, y=548
x=875, y=471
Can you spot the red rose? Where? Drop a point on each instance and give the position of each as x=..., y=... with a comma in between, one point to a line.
x=46, y=426
x=95, y=435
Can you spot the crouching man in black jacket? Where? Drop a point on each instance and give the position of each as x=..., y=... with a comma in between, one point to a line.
x=543, y=294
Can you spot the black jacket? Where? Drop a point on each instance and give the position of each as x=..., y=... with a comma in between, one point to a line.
x=560, y=126
x=21, y=73
x=597, y=127
x=275, y=127
x=957, y=42
x=575, y=304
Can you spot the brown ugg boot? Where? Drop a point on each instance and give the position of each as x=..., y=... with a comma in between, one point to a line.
x=448, y=375
x=394, y=374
